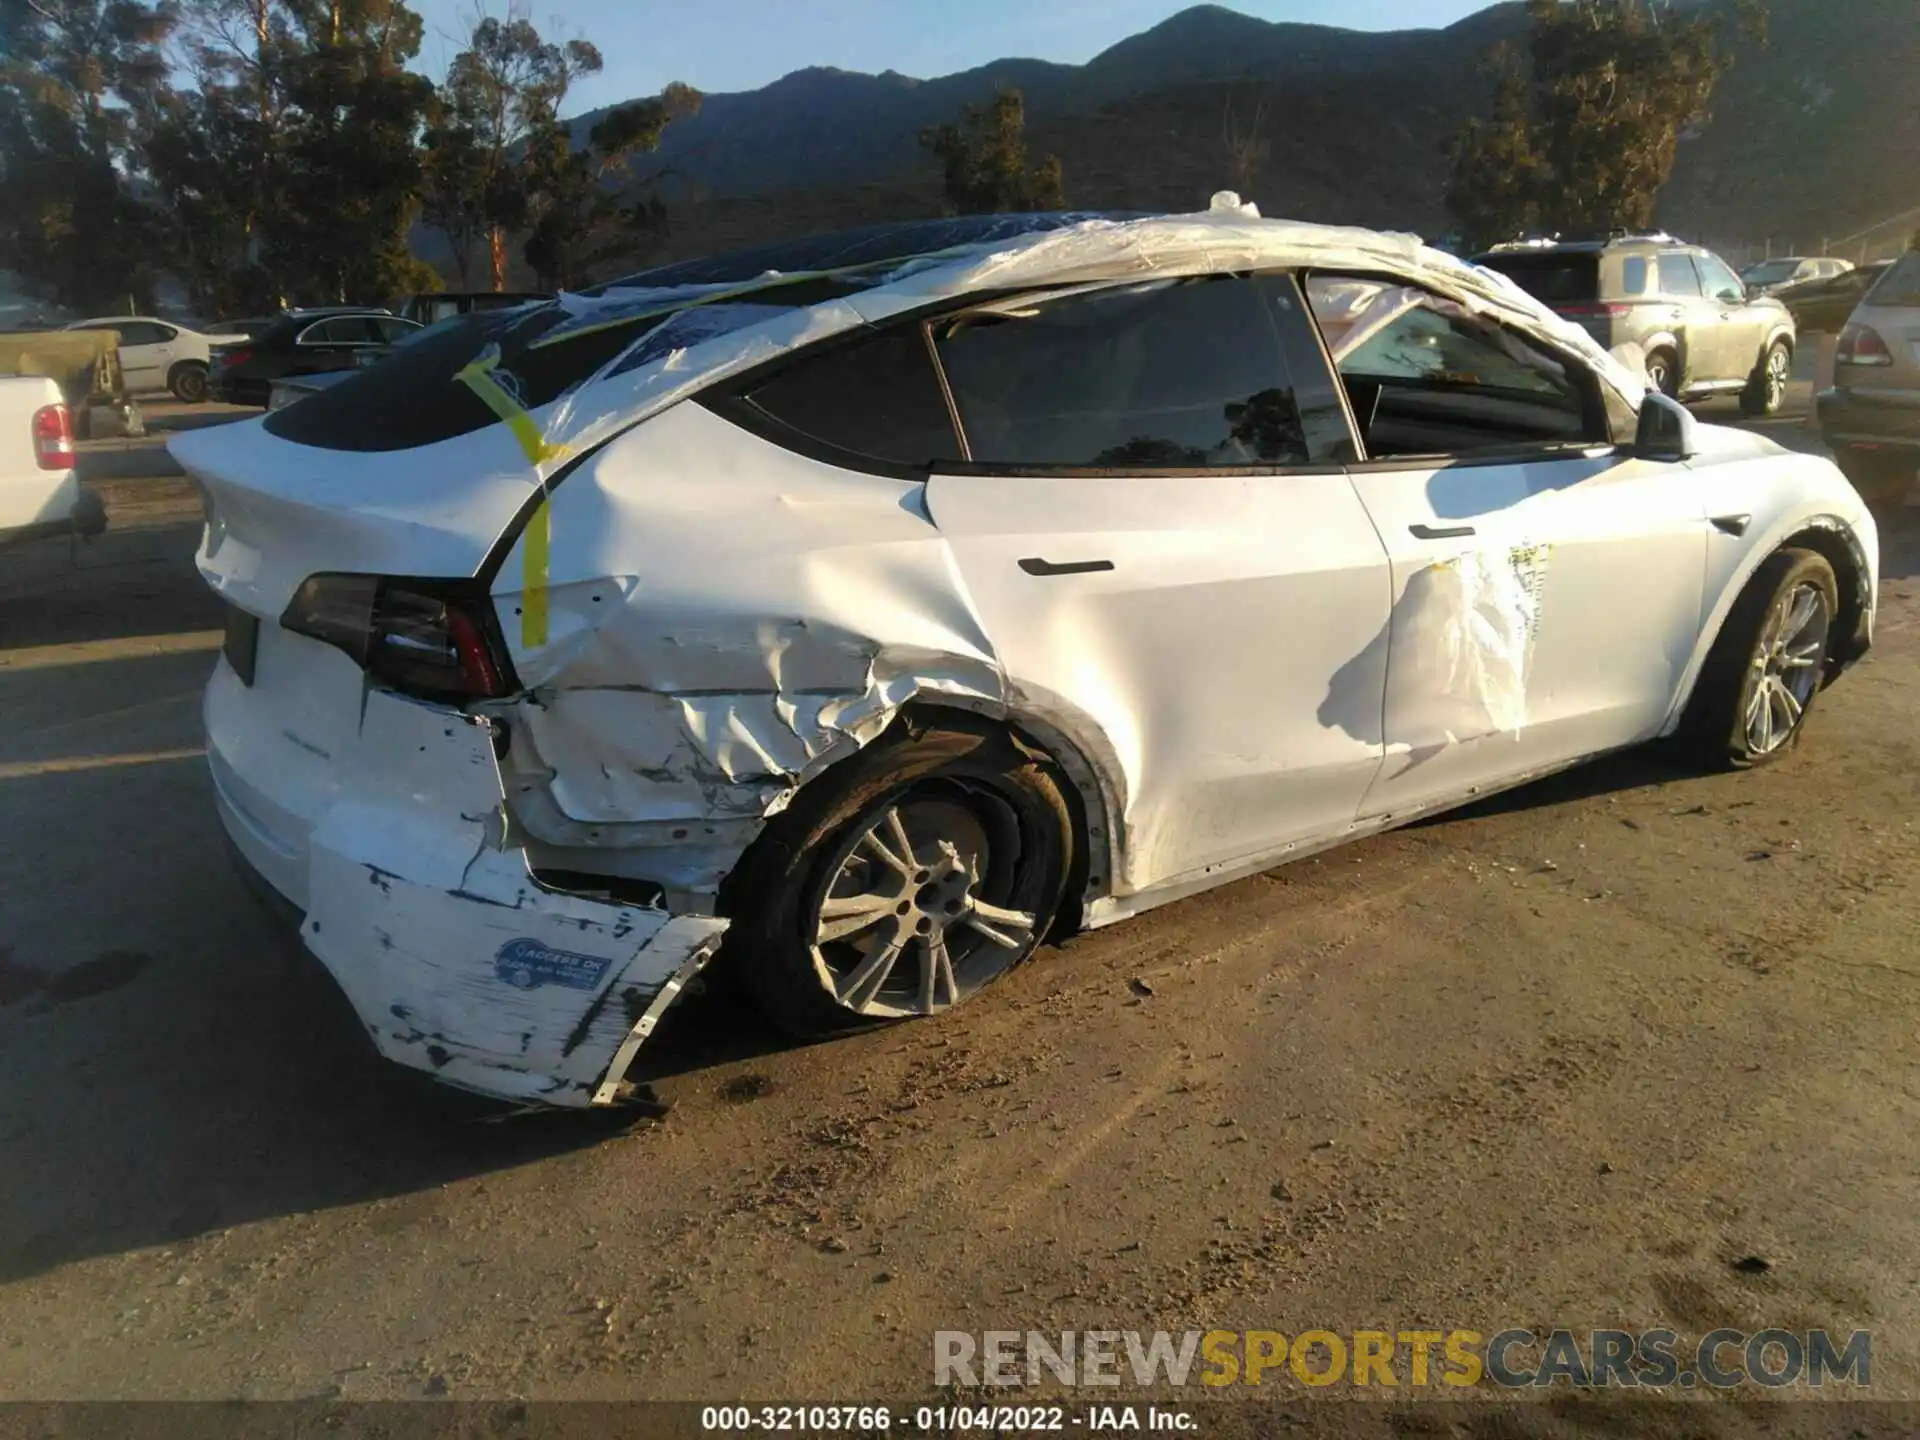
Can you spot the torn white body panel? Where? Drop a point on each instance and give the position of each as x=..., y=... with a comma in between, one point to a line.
x=379, y=819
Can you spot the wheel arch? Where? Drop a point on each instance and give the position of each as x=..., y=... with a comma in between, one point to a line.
x=1837, y=542
x=1094, y=793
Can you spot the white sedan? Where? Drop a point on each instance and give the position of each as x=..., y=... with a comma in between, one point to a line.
x=869, y=610
x=159, y=355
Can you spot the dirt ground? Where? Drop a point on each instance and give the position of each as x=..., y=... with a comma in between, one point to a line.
x=1580, y=1057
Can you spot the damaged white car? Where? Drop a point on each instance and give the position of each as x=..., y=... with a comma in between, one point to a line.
x=882, y=605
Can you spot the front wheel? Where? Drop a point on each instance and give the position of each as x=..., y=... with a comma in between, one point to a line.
x=1767, y=667
x=188, y=383
x=1766, y=392
x=901, y=883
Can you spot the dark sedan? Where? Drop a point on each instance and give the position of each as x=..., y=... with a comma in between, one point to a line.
x=1825, y=305
x=302, y=342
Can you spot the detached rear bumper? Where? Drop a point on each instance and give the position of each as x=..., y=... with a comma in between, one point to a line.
x=457, y=962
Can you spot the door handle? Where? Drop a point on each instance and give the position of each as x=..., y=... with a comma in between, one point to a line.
x=1427, y=532
x=1033, y=565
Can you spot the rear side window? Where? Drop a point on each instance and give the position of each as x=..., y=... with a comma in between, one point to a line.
x=1171, y=374
x=875, y=396
x=1677, y=276
x=1635, y=274
x=1900, y=285
x=392, y=329
x=1554, y=280
x=347, y=330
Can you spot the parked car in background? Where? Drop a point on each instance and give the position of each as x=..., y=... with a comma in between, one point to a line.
x=1824, y=306
x=302, y=342
x=85, y=364
x=441, y=305
x=1871, y=418
x=157, y=355
x=880, y=628
x=40, y=492
x=1764, y=277
x=1681, y=306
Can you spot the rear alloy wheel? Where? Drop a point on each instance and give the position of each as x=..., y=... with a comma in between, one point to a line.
x=188, y=383
x=901, y=883
x=1766, y=392
x=1770, y=662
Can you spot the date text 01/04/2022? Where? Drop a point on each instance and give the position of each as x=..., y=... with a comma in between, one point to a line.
x=942, y=1419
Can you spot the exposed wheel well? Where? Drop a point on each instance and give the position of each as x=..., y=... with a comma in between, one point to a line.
x=1841, y=551
x=1093, y=855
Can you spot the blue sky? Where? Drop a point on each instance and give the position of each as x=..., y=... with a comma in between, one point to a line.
x=718, y=45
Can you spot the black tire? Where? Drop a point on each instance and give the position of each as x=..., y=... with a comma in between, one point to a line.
x=1883, y=478
x=188, y=382
x=1722, y=716
x=1663, y=373
x=1766, y=392
x=957, y=767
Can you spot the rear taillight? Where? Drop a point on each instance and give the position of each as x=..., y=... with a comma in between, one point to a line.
x=53, y=437
x=431, y=639
x=1862, y=345
x=1596, y=312
x=227, y=359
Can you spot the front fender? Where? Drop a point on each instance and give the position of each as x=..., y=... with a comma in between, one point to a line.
x=1818, y=517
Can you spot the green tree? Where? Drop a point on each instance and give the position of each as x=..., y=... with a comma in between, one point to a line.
x=588, y=204
x=505, y=88
x=1588, y=138
x=77, y=80
x=291, y=171
x=984, y=160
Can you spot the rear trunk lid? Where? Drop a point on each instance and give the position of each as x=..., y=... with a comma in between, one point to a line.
x=1891, y=310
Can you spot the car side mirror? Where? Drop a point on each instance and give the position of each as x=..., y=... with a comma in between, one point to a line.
x=1668, y=431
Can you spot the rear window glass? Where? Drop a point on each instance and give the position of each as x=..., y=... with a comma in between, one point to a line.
x=1900, y=285
x=1551, y=279
x=416, y=397
x=876, y=396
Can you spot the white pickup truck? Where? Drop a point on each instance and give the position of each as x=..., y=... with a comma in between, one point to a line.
x=40, y=494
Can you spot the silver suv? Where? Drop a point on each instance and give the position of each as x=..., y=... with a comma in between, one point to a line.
x=1871, y=417
x=1701, y=330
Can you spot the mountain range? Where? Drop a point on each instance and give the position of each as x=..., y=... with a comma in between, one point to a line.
x=1812, y=137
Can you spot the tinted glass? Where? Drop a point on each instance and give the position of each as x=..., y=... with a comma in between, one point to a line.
x=415, y=396
x=1170, y=374
x=393, y=330
x=1426, y=377
x=876, y=396
x=1552, y=279
x=1901, y=284
x=1677, y=275
x=1772, y=272
x=1717, y=278
x=1635, y=274
x=143, y=332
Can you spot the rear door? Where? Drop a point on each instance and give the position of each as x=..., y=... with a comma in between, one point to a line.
x=1547, y=589
x=1166, y=555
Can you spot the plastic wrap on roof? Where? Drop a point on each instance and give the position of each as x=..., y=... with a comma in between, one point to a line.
x=985, y=254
